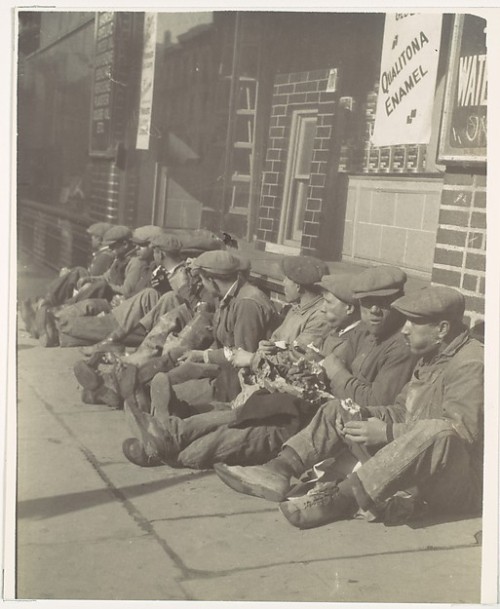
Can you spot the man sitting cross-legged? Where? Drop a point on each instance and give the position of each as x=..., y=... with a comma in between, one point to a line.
x=430, y=439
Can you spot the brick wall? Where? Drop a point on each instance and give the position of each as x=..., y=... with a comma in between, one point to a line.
x=460, y=254
x=297, y=91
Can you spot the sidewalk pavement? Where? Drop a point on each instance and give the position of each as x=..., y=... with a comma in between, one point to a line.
x=93, y=526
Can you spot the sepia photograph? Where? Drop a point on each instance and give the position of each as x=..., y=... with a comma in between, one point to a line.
x=250, y=304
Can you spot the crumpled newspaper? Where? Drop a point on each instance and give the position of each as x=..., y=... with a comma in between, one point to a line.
x=301, y=378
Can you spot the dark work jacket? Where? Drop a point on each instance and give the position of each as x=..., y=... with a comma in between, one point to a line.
x=102, y=259
x=244, y=318
x=376, y=369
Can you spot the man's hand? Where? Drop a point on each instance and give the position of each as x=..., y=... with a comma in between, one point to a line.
x=372, y=432
x=242, y=358
x=194, y=356
x=332, y=364
x=267, y=347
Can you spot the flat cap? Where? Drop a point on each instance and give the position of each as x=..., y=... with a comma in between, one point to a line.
x=219, y=262
x=116, y=233
x=340, y=286
x=99, y=229
x=304, y=270
x=143, y=234
x=431, y=303
x=167, y=242
x=379, y=281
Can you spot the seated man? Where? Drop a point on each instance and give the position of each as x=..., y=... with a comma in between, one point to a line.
x=171, y=286
x=304, y=322
x=119, y=240
x=96, y=321
x=239, y=435
x=63, y=287
x=379, y=360
x=241, y=325
x=431, y=438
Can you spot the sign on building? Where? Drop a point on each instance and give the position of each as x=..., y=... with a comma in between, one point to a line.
x=113, y=33
x=147, y=82
x=463, y=129
x=407, y=83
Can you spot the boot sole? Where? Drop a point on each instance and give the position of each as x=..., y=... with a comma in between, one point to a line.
x=248, y=488
x=138, y=422
x=86, y=376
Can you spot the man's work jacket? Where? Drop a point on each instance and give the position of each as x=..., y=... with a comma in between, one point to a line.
x=376, y=368
x=450, y=387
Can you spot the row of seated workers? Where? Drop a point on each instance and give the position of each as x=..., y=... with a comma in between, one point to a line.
x=353, y=399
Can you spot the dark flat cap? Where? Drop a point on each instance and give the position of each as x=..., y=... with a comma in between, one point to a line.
x=219, y=262
x=432, y=302
x=99, y=229
x=166, y=242
x=340, y=286
x=379, y=281
x=116, y=233
x=304, y=270
x=143, y=234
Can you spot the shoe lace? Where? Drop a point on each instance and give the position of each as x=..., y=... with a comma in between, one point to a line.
x=321, y=495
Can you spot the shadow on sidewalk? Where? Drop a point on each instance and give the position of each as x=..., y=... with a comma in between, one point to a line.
x=50, y=507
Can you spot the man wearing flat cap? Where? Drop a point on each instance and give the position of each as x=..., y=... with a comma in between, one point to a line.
x=63, y=287
x=430, y=440
x=254, y=431
x=80, y=326
x=376, y=362
x=119, y=241
x=244, y=316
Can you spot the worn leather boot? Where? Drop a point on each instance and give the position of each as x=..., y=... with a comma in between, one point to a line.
x=321, y=505
x=102, y=395
x=156, y=441
x=110, y=344
x=48, y=335
x=258, y=480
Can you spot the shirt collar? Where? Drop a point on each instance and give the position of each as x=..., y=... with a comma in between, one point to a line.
x=348, y=328
x=299, y=308
x=176, y=268
x=229, y=294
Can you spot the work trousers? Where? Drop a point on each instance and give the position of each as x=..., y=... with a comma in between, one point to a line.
x=61, y=288
x=129, y=313
x=190, y=395
x=85, y=323
x=207, y=438
x=430, y=456
x=99, y=288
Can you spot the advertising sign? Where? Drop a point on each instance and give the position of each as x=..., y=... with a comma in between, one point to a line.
x=407, y=84
x=147, y=82
x=463, y=129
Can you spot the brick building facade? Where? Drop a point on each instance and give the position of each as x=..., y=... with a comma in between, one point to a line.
x=460, y=254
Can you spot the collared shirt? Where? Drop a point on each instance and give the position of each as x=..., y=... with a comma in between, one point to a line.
x=303, y=324
x=375, y=369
